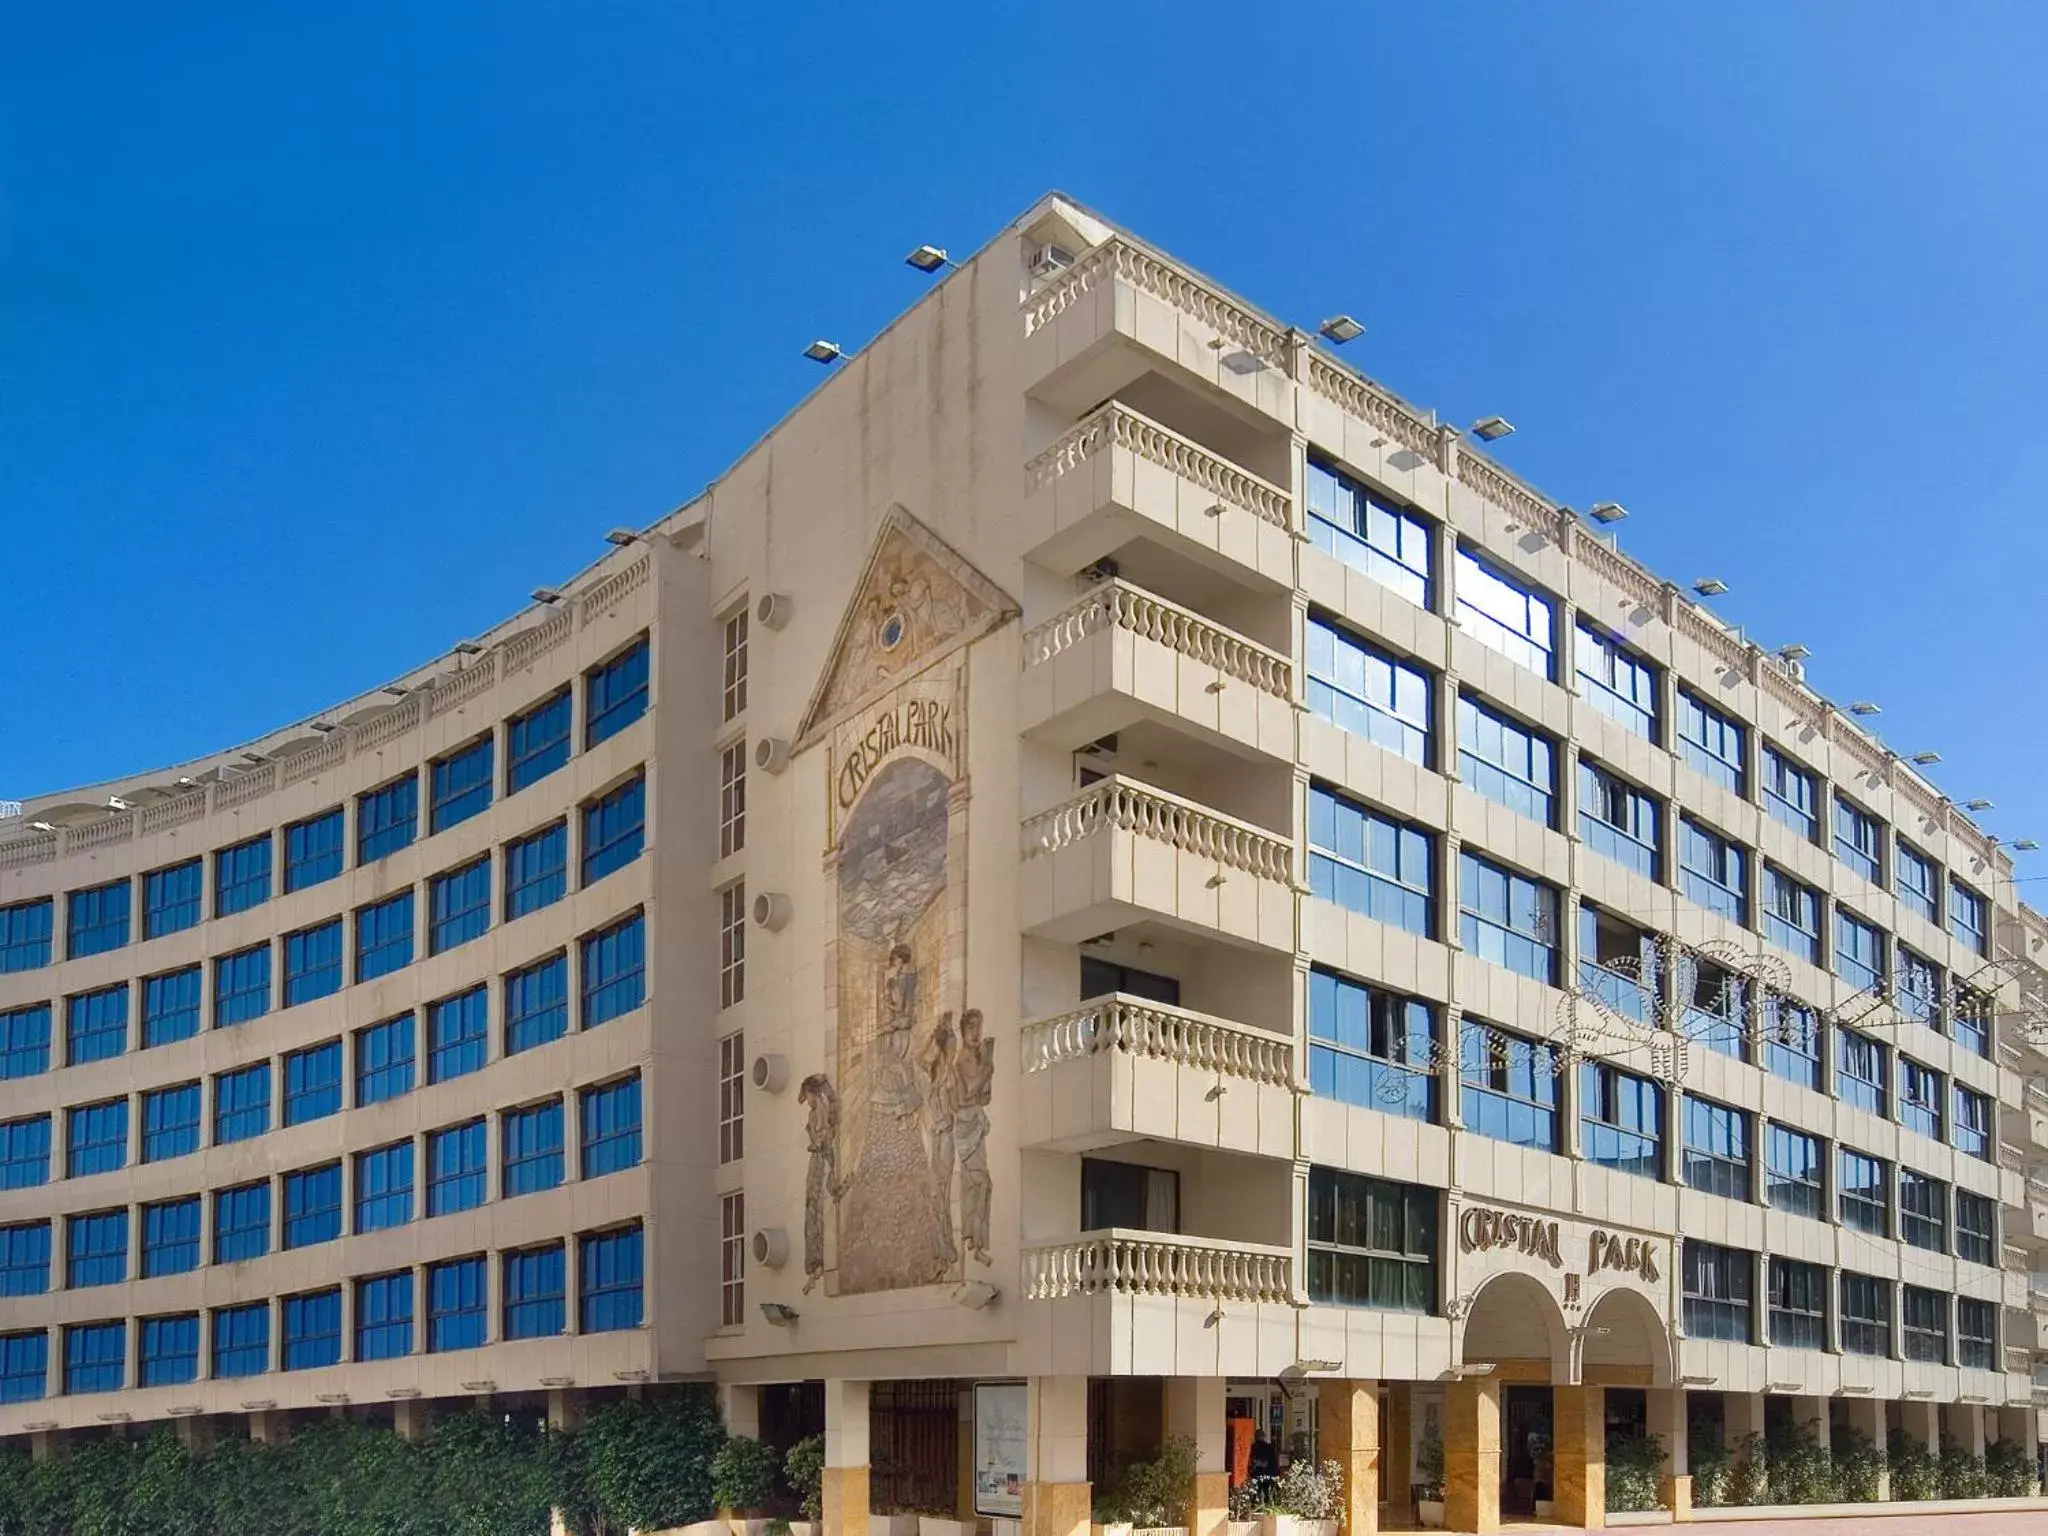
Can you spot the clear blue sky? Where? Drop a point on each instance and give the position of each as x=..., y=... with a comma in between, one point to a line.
x=327, y=332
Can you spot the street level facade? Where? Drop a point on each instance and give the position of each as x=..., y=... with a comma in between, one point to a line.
x=1110, y=878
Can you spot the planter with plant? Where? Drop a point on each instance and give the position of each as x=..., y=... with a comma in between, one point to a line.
x=2009, y=1467
x=1962, y=1472
x=1916, y=1474
x=803, y=1472
x=742, y=1483
x=1634, y=1465
x=1859, y=1467
x=1429, y=1470
x=1305, y=1500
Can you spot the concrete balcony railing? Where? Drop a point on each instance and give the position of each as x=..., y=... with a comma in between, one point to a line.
x=1121, y=654
x=1123, y=1068
x=1117, y=475
x=1120, y=852
x=1119, y=1262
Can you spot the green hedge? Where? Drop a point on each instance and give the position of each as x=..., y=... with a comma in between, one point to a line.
x=642, y=1463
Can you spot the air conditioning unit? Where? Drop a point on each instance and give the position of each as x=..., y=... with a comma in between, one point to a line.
x=1101, y=746
x=771, y=754
x=1796, y=670
x=771, y=1247
x=1045, y=260
x=773, y=610
x=770, y=1072
x=773, y=910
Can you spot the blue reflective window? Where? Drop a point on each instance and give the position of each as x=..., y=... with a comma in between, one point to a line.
x=1617, y=820
x=1621, y=1120
x=1368, y=533
x=1713, y=871
x=95, y=1357
x=25, y=935
x=458, y=1034
x=1859, y=840
x=24, y=1367
x=312, y=962
x=171, y=898
x=609, y=1264
x=387, y=819
x=241, y=986
x=1714, y=1156
x=309, y=1329
x=25, y=1041
x=25, y=1258
x=1620, y=966
x=1861, y=1075
x=96, y=1138
x=459, y=905
x=241, y=1340
x=1371, y=1047
x=614, y=830
x=461, y=786
x=312, y=1206
x=616, y=694
x=537, y=1004
x=1505, y=760
x=1509, y=1086
x=241, y=876
x=1923, y=1095
x=97, y=919
x=170, y=1007
x=537, y=742
x=1505, y=615
x=312, y=1083
x=614, y=971
x=535, y=1299
x=1369, y=863
x=170, y=1350
x=1859, y=952
x=1791, y=914
x=1917, y=991
x=96, y=1025
x=455, y=1168
x=1793, y=1172
x=1789, y=794
x=96, y=1249
x=384, y=1060
x=611, y=1127
x=170, y=1237
x=384, y=1316
x=1616, y=682
x=25, y=1152
x=1711, y=743
x=1865, y=1186
x=1715, y=1004
x=1970, y=1125
x=1966, y=917
x=384, y=1187
x=1369, y=694
x=384, y=937
x=241, y=1222
x=312, y=850
x=532, y=1148
x=458, y=1302
x=1919, y=881
x=536, y=870
x=170, y=1122
x=1791, y=1041
x=1506, y=918
x=241, y=1103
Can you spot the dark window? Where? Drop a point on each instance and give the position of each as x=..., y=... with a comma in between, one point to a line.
x=1719, y=1289
x=1619, y=966
x=1976, y=1228
x=1866, y=1315
x=1798, y=1305
x=1371, y=1243
x=384, y=1316
x=1923, y=1211
x=241, y=1340
x=616, y=694
x=1099, y=978
x=611, y=1294
x=1128, y=1195
x=1865, y=1193
x=1923, y=1324
x=1976, y=1334
x=310, y=1330
x=535, y=1298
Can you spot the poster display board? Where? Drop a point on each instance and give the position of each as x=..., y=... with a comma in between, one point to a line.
x=1001, y=1427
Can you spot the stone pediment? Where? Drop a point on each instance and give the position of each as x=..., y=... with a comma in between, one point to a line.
x=916, y=601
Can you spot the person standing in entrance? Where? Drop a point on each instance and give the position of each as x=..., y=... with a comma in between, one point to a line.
x=1265, y=1461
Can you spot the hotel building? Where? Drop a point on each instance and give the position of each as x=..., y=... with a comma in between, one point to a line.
x=1109, y=878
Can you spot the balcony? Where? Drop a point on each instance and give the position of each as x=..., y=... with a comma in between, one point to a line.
x=1119, y=476
x=1122, y=655
x=1120, y=1068
x=1121, y=852
x=1122, y=1302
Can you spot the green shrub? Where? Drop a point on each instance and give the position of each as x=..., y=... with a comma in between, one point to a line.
x=1429, y=1464
x=742, y=1474
x=1798, y=1468
x=1749, y=1477
x=2009, y=1467
x=1711, y=1466
x=1156, y=1492
x=1635, y=1464
x=804, y=1470
x=1859, y=1466
x=1961, y=1472
x=1915, y=1472
x=647, y=1463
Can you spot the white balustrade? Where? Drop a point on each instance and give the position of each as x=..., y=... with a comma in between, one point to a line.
x=1124, y=805
x=1127, y=1263
x=1117, y=260
x=1117, y=426
x=1140, y=1027
x=1119, y=605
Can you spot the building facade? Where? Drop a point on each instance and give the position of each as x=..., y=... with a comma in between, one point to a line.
x=1109, y=878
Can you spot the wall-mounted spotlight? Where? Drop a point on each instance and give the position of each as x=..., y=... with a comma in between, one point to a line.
x=622, y=537
x=1865, y=708
x=1794, y=652
x=545, y=595
x=324, y=727
x=1926, y=759
x=975, y=1295
x=1243, y=361
x=929, y=258
x=1978, y=805
x=1607, y=512
x=824, y=352
x=1491, y=429
x=468, y=648
x=1710, y=586
x=396, y=690
x=2024, y=845
x=779, y=1315
x=1340, y=329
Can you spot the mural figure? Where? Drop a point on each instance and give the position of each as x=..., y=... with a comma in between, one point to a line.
x=974, y=1073
x=822, y=1181
x=895, y=1090
x=941, y=1102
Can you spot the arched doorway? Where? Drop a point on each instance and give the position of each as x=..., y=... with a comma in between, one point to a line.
x=1624, y=1343
x=1513, y=1346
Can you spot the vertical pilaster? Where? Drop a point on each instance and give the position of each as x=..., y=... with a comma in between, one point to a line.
x=1057, y=1494
x=47, y=1444
x=1964, y=1424
x=1866, y=1417
x=1194, y=1407
x=1921, y=1420
x=1348, y=1433
x=1397, y=1448
x=1472, y=1455
x=1668, y=1422
x=411, y=1419
x=268, y=1427
x=195, y=1433
x=565, y=1410
x=1579, y=1459
x=739, y=1405
x=1743, y=1415
x=844, y=1492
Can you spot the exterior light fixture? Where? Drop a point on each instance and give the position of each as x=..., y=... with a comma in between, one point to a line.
x=929, y=258
x=1607, y=512
x=331, y=1397
x=1864, y=707
x=324, y=727
x=2025, y=845
x=1340, y=329
x=1485, y=1368
x=182, y=1411
x=1926, y=759
x=479, y=1386
x=42, y=826
x=630, y=1375
x=1710, y=586
x=779, y=1315
x=1491, y=429
x=397, y=1392
x=468, y=648
x=823, y=352
x=257, y=758
x=1794, y=652
x=558, y=1381
x=396, y=690
x=1699, y=1381
x=545, y=595
x=117, y=1418
x=622, y=537
x=1304, y=1367
x=116, y=803
x=975, y=1295
x=260, y=1404
x=1977, y=805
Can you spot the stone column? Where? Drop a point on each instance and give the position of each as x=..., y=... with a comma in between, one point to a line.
x=1667, y=1421
x=268, y=1427
x=47, y=1444
x=739, y=1405
x=1194, y=1407
x=1964, y=1424
x=565, y=1410
x=411, y=1417
x=1743, y=1414
x=1348, y=1433
x=195, y=1433
x=1866, y=1417
x=1057, y=1494
x=2017, y=1425
x=1397, y=1449
x=1813, y=1413
x=1579, y=1457
x=1472, y=1455
x=1921, y=1419
x=845, y=1485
